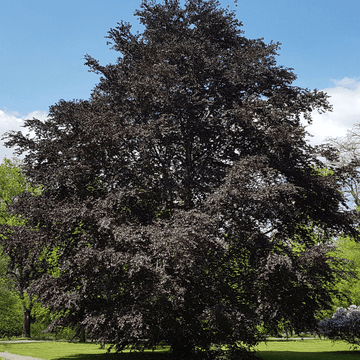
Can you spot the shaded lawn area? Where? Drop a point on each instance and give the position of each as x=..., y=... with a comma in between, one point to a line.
x=307, y=350
x=272, y=350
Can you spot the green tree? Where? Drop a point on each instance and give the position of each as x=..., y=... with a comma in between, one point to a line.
x=10, y=307
x=181, y=199
x=347, y=161
x=12, y=184
x=349, y=249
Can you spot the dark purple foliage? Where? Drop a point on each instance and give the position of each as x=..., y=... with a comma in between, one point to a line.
x=182, y=200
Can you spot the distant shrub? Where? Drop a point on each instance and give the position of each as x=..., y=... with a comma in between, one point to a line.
x=344, y=325
x=38, y=332
x=42, y=318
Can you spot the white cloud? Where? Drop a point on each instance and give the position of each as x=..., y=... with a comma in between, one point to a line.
x=14, y=121
x=345, y=98
x=347, y=83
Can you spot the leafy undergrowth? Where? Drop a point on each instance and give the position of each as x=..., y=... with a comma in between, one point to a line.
x=272, y=350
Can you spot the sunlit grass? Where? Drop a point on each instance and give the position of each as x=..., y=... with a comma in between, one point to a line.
x=51, y=350
x=271, y=350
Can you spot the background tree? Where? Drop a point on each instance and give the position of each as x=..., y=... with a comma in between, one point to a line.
x=343, y=325
x=349, y=249
x=348, y=159
x=22, y=261
x=181, y=200
x=348, y=162
x=11, y=319
x=12, y=183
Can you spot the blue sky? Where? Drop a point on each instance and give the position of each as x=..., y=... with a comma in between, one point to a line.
x=43, y=43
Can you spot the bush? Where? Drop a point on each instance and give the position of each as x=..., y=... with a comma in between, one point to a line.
x=344, y=325
x=42, y=317
x=38, y=332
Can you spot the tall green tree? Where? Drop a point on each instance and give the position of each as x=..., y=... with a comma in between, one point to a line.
x=182, y=199
x=20, y=265
x=10, y=308
x=347, y=161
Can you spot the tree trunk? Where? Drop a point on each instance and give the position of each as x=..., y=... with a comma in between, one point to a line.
x=82, y=337
x=181, y=348
x=27, y=321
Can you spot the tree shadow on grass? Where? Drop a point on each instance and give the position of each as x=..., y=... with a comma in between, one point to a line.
x=123, y=356
x=299, y=355
x=263, y=355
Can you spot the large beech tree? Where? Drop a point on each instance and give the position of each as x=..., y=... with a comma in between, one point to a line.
x=182, y=200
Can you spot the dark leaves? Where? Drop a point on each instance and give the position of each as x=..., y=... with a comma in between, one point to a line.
x=181, y=200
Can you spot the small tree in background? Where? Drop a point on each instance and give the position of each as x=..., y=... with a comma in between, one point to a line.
x=22, y=260
x=348, y=159
x=347, y=162
x=344, y=325
x=11, y=317
x=182, y=200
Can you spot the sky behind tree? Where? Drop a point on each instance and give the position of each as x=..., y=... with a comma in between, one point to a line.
x=43, y=43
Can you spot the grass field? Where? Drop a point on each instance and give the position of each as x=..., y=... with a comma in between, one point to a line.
x=307, y=350
x=51, y=350
x=272, y=350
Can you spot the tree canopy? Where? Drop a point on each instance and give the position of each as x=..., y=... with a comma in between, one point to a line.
x=12, y=183
x=348, y=160
x=182, y=200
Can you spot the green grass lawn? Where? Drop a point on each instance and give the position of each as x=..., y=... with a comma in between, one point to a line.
x=306, y=350
x=51, y=350
x=272, y=350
